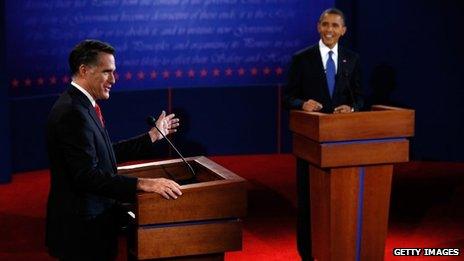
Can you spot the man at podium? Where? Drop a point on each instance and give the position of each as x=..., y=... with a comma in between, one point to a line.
x=324, y=78
x=82, y=203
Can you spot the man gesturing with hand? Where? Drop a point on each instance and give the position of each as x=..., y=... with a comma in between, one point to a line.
x=85, y=187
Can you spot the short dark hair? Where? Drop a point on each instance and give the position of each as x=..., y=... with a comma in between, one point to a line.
x=334, y=11
x=86, y=52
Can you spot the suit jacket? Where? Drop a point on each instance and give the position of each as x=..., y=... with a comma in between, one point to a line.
x=83, y=167
x=307, y=80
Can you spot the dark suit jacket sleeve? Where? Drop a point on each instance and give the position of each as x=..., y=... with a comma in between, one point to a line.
x=133, y=149
x=87, y=172
x=356, y=88
x=293, y=90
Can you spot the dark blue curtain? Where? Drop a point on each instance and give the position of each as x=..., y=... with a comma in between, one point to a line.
x=5, y=169
x=412, y=56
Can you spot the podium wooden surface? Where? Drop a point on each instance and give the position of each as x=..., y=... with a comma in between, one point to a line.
x=201, y=224
x=351, y=157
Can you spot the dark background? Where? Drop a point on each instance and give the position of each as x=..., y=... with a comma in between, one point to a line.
x=411, y=56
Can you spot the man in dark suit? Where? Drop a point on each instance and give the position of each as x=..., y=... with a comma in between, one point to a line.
x=323, y=78
x=82, y=220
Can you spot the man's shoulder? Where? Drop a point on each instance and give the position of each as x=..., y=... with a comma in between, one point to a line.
x=347, y=52
x=309, y=50
x=67, y=103
x=72, y=97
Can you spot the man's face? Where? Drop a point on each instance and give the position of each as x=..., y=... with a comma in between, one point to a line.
x=331, y=28
x=100, y=77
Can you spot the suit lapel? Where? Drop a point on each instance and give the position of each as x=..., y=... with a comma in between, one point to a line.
x=74, y=92
x=104, y=133
x=341, y=63
x=318, y=59
x=109, y=145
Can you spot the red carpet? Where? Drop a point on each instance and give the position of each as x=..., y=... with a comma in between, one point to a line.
x=427, y=210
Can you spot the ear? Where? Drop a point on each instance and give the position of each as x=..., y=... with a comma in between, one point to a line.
x=343, y=30
x=82, y=70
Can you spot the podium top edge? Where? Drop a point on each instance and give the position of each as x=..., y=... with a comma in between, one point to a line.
x=158, y=163
x=374, y=109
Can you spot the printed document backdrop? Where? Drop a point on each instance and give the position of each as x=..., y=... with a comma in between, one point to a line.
x=160, y=43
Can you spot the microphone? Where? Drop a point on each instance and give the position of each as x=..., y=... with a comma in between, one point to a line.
x=152, y=122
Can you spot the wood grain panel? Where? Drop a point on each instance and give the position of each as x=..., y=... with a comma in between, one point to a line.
x=187, y=240
x=214, y=193
x=344, y=190
x=377, y=183
x=382, y=122
x=350, y=154
x=320, y=212
x=220, y=200
x=355, y=154
x=334, y=195
x=197, y=225
x=307, y=149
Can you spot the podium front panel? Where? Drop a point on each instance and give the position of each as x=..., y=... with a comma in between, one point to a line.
x=201, y=223
x=188, y=240
x=352, y=153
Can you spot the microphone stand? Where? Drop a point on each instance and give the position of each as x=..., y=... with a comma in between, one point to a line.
x=152, y=122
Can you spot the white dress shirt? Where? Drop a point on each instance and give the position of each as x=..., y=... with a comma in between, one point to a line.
x=91, y=99
x=324, y=50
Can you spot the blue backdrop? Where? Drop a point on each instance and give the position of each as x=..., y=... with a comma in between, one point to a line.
x=412, y=56
x=410, y=53
x=218, y=64
x=176, y=43
x=5, y=154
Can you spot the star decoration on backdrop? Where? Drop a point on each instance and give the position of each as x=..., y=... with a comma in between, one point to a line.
x=191, y=73
x=166, y=74
x=229, y=72
x=40, y=81
x=203, y=73
x=141, y=75
x=153, y=75
x=65, y=79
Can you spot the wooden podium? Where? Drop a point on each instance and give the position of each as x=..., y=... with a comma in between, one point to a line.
x=201, y=224
x=351, y=160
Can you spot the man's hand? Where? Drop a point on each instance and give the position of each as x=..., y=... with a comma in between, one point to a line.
x=343, y=109
x=166, y=124
x=165, y=187
x=312, y=105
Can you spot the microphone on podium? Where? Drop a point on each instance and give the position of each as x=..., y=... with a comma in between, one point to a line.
x=152, y=122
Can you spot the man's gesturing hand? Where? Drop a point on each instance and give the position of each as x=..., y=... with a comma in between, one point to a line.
x=166, y=124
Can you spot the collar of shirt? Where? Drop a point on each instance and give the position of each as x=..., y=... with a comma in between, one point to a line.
x=324, y=50
x=91, y=99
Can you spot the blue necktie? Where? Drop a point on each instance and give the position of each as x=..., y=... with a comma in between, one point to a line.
x=330, y=73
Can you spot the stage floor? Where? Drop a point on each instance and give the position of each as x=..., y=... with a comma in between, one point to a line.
x=427, y=210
